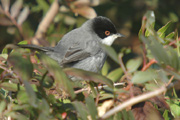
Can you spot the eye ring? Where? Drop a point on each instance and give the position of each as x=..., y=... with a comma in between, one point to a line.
x=107, y=32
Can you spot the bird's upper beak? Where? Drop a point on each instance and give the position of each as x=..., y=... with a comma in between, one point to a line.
x=119, y=35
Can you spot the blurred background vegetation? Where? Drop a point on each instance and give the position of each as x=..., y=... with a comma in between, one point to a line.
x=149, y=35
x=125, y=14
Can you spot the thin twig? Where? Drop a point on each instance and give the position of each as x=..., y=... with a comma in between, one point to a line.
x=99, y=87
x=133, y=101
x=97, y=99
x=122, y=64
x=144, y=55
x=172, y=77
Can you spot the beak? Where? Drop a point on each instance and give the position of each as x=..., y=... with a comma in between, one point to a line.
x=119, y=35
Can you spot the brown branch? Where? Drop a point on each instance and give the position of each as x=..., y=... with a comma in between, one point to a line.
x=173, y=42
x=133, y=101
x=144, y=55
x=47, y=20
x=172, y=77
x=149, y=64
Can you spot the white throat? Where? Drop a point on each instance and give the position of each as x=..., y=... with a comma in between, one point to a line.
x=109, y=40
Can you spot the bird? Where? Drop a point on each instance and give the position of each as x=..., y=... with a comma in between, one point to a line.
x=81, y=48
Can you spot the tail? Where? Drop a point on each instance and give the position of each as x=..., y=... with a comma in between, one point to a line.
x=34, y=47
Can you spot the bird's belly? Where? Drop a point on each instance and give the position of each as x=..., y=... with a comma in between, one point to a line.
x=93, y=63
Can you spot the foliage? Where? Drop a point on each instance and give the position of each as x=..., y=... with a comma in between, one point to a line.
x=33, y=86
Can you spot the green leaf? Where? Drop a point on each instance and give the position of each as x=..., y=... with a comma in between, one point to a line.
x=165, y=115
x=23, y=42
x=43, y=5
x=173, y=16
x=22, y=97
x=151, y=86
x=150, y=22
x=2, y=106
x=88, y=76
x=125, y=114
x=142, y=77
x=22, y=67
x=162, y=30
x=140, y=31
x=162, y=75
x=10, y=86
x=81, y=110
x=105, y=69
x=164, y=56
x=106, y=96
x=174, y=73
x=150, y=18
x=117, y=116
x=93, y=90
x=170, y=35
x=111, y=52
x=44, y=107
x=91, y=107
x=133, y=64
x=115, y=74
x=173, y=58
x=5, y=51
x=43, y=116
x=149, y=30
x=174, y=92
x=175, y=108
x=61, y=80
x=5, y=56
x=157, y=49
x=17, y=116
x=20, y=107
x=31, y=94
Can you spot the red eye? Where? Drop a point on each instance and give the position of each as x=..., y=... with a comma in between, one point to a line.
x=107, y=32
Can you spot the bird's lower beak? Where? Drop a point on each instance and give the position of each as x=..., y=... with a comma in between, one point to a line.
x=119, y=35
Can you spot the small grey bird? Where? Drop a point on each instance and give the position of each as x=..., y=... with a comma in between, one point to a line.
x=81, y=47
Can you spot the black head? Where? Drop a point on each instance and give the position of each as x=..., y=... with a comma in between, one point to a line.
x=103, y=27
